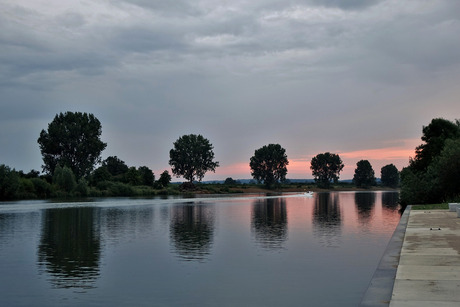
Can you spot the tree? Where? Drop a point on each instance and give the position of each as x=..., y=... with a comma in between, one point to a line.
x=72, y=140
x=100, y=174
x=146, y=175
x=389, y=175
x=164, y=179
x=444, y=172
x=326, y=168
x=434, y=136
x=428, y=177
x=191, y=157
x=9, y=182
x=32, y=174
x=269, y=164
x=230, y=181
x=415, y=188
x=64, y=178
x=115, y=166
x=133, y=177
x=364, y=174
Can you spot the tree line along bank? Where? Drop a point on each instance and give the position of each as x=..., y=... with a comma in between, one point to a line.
x=71, y=149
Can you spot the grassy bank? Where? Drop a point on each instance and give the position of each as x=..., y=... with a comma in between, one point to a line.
x=118, y=189
x=293, y=187
x=431, y=207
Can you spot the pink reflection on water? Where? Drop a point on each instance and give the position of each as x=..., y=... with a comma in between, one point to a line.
x=329, y=216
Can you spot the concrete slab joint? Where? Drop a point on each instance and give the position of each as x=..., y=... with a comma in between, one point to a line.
x=428, y=273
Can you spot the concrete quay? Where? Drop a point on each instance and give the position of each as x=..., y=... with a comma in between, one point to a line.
x=429, y=266
x=421, y=266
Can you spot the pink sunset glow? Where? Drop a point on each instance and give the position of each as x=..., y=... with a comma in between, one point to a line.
x=299, y=168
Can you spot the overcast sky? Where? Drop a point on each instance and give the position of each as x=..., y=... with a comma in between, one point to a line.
x=355, y=77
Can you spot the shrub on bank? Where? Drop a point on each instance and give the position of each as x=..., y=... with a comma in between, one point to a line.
x=42, y=188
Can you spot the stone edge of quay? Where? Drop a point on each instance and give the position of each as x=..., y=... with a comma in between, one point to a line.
x=381, y=286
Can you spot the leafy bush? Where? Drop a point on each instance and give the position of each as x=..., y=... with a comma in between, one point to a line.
x=42, y=188
x=64, y=179
x=120, y=189
x=81, y=190
x=9, y=183
x=26, y=189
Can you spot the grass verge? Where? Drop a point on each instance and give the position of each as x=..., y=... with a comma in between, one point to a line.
x=430, y=207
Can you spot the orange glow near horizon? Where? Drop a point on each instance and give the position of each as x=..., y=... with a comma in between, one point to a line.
x=235, y=170
x=391, y=153
x=299, y=168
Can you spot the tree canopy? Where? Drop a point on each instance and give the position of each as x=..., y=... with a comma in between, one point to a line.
x=72, y=140
x=64, y=178
x=230, y=181
x=146, y=175
x=364, y=174
x=9, y=182
x=115, y=166
x=443, y=173
x=389, y=175
x=326, y=168
x=165, y=179
x=434, y=135
x=269, y=164
x=433, y=174
x=191, y=157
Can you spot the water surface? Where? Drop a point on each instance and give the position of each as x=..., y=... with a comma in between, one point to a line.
x=252, y=250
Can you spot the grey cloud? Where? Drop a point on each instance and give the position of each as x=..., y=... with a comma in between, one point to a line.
x=424, y=44
x=27, y=52
x=139, y=39
x=37, y=70
x=307, y=74
x=347, y=4
x=71, y=20
x=168, y=8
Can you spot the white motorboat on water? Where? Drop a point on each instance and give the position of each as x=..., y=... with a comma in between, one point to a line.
x=308, y=194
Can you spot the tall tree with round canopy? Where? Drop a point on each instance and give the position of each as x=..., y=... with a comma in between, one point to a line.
x=269, y=164
x=364, y=175
x=326, y=168
x=192, y=157
x=72, y=140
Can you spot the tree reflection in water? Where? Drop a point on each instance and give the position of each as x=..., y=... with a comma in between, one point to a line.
x=365, y=203
x=327, y=219
x=269, y=222
x=70, y=247
x=390, y=201
x=192, y=230
x=390, y=204
x=120, y=225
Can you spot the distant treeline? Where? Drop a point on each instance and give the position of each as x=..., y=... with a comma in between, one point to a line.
x=71, y=149
x=115, y=179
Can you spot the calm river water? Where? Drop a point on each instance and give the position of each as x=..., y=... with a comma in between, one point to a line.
x=286, y=250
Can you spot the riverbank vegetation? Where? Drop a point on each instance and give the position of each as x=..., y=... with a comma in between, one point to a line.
x=16, y=185
x=72, y=167
x=433, y=175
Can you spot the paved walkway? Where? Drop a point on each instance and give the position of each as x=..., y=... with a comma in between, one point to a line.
x=428, y=273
